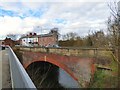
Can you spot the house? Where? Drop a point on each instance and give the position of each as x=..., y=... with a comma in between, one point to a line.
x=9, y=41
x=1, y=42
x=32, y=39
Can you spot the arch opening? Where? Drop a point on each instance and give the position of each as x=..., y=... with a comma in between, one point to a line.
x=47, y=75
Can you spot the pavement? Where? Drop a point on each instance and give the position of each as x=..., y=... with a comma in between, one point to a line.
x=0, y=69
x=5, y=81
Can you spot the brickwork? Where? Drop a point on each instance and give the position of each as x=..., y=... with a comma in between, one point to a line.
x=1, y=42
x=40, y=40
x=80, y=68
x=9, y=41
x=45, y=41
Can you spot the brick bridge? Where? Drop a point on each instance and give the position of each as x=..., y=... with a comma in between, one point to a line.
x=78, y=63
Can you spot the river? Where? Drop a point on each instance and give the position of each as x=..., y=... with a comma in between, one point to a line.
x=47, y=75
x=66, y=80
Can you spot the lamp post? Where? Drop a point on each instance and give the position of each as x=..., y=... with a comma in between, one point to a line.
x=40, y=28
x=41, y=36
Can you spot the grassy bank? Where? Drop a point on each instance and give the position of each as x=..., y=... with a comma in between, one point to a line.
x=106, y=78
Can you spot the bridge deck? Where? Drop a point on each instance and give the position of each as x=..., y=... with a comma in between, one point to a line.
x=5, y=81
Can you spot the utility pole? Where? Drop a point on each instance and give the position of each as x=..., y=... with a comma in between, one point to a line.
x=41, y=36
x=40, y=28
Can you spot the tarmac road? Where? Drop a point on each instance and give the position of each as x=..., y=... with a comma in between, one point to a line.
x=5, y=81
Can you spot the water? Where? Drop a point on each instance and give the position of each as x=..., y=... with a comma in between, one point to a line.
x=47, y=75
x=66, y=80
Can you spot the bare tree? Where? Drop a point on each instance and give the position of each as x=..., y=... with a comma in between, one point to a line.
x=114, y=24
x=13, y=36
x=114, y=28
x=70, y=36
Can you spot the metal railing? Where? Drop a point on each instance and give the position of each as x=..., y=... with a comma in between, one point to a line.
x=19, y=77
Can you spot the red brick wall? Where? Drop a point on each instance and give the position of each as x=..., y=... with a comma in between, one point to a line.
x=9, y=42
x=47, y=40
x=81, y=69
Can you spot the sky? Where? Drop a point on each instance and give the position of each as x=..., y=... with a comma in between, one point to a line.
x=80, y=16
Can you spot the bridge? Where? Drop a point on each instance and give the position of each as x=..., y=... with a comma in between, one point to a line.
x=77, y=62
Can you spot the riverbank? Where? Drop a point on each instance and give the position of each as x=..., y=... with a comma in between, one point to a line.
x=106, y=75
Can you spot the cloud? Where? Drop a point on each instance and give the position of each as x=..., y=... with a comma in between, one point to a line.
x=80, y=17
x=16, y=25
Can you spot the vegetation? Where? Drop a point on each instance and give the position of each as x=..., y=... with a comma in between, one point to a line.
x=106, y=78
x=92, y=40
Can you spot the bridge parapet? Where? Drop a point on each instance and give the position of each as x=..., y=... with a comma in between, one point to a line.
x=81, y=52
x=19, y=76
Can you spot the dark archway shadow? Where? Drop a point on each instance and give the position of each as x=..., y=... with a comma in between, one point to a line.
x=44, y=74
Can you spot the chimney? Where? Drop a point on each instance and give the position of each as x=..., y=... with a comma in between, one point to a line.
x=34, y=34
x=30, y=34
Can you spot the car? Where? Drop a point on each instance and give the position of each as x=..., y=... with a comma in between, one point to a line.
x=3, y=47
x=49, y=45
x=55, y=46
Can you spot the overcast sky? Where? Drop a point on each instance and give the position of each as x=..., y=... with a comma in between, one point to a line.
x=80, y=16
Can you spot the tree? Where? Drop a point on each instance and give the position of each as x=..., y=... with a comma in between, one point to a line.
x=89, y=41
x=70, y=36
x=96, y=39
x=114, y=25
x=13, y=36
x=114, y=28
x=71, y=39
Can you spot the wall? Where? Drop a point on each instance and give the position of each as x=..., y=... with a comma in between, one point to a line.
x=1, y=42
x=80, y=68
x=48, y=40
x=9, y=41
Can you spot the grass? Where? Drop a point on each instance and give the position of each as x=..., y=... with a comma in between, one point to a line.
x=106, y=78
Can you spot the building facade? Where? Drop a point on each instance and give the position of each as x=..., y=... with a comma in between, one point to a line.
x=32, y=39
x=1, y=42
x=9, y=41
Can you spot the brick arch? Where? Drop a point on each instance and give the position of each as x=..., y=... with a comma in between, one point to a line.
x=60, y=65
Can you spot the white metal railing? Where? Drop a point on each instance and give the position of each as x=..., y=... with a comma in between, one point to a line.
x=19, y=77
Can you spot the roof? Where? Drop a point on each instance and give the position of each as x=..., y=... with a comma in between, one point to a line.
x=34, y=36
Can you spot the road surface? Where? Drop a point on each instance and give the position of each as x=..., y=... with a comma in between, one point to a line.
x=5, y=81
x=0, y=69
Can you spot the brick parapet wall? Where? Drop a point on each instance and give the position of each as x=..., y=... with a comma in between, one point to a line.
x=67, y=51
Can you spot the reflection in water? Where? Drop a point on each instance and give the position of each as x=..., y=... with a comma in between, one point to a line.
x=66, y=80
x=47, y=75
